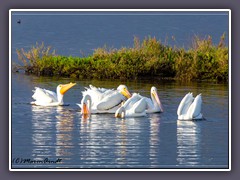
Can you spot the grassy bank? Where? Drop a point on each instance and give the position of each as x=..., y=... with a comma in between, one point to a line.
x=147, y=58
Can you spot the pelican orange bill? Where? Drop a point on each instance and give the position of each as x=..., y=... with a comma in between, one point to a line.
x=66, y=87
x=85, y=109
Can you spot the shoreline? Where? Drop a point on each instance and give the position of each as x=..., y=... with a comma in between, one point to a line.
x=149, y=59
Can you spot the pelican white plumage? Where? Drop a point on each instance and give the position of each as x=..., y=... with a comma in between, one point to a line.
x=133, y=107
x=85, y=105
x=190, y=107
x=101, y=100
x=154, y=104
x=45, y=97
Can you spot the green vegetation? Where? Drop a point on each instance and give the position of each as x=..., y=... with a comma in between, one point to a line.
x=149, y=58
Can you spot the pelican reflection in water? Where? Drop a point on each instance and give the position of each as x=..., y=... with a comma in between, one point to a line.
x=188, y=142
x=64, y=129
x=154, y=140
x=42, y=130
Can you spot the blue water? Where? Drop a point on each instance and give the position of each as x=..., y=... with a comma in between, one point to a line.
x=78, y=34
x=101, y=141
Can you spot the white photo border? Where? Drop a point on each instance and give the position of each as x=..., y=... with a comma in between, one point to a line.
x=118, y=10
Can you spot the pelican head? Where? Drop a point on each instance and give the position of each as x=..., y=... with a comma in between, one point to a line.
x=120, y=113
x=124, y=91
x=86, y=105
x=63, y=88
x=155, y=98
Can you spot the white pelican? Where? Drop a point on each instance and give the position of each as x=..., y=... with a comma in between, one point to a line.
x=154, y=104
x=101, y=100
x=133, y=107
x=45, y=97
x=86, y=104
x=190, y=107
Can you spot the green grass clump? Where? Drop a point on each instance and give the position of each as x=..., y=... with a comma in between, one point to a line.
x=147, y=59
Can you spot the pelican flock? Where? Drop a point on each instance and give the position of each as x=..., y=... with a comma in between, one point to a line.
x=119, y=102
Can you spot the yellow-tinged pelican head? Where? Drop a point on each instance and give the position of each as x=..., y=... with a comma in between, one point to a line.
x=124, y=91
x=155, y=97
x=65, y=87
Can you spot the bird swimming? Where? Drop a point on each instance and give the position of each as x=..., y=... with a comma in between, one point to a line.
x=133, y=107
x=154, y=104
x=190, y=107
x=102, y=100
x=45, y=97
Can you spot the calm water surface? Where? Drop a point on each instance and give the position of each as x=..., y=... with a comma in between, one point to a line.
x=78, y=34
x=102, y=141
